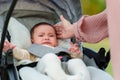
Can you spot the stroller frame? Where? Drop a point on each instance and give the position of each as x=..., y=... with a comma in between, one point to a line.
x=7, y=67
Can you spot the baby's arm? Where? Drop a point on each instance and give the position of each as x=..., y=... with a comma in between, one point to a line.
x=18, y=53
x=21, y=54
x=75, y=51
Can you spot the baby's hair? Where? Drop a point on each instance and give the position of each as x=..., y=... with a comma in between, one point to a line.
x=38, y=24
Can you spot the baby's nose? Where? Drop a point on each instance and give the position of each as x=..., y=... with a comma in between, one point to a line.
x=46, y=37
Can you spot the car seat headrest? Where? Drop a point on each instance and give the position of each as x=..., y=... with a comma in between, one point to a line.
x=19, y=33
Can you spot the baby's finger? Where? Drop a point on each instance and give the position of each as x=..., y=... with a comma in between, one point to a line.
x=77, y=51
x=71, y=49
x=75, y=45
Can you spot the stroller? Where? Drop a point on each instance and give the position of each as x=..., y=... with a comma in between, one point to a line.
x=41, y=11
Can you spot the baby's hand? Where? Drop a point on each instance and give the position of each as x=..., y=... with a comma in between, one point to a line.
x=7, y=46
x=75, y=51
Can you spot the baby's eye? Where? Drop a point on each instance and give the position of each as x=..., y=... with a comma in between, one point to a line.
x=40, y=35
x=51, y=35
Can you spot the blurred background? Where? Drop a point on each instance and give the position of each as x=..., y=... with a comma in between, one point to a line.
x=91, y=7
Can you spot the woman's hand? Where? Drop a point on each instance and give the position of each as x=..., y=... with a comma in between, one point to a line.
x=64, y=29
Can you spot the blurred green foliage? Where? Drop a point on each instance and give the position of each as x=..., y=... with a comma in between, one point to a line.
x=92, y=6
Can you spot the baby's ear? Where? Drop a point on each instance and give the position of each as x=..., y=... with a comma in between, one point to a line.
x=31, y=40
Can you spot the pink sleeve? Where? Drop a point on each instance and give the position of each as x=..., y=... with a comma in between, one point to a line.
x=91, y=29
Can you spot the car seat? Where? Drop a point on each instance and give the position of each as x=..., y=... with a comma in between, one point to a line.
x=43, y=10
x=20, y=37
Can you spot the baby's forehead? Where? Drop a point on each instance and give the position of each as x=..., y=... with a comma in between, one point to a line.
x=45, y=29
x=45, y=26
x=42, y=25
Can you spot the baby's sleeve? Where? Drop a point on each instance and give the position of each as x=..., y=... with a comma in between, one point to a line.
x=20, y=54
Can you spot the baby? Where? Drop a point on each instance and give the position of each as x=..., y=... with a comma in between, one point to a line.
x=43, y=49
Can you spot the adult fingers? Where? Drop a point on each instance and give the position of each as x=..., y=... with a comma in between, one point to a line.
x=62, y=18
x=59, y=36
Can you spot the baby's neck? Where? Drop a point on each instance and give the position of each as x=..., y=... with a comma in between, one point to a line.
x=48, y=46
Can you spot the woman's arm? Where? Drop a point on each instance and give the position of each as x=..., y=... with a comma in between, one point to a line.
x=91, y=28
x=87, y=29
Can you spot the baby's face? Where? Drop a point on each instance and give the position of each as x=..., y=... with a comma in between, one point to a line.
x=45, y=34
